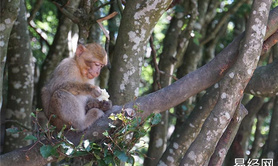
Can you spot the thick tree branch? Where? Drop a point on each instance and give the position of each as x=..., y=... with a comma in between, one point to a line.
x=264, y=81
x=226, y=140
x=243, y=134
x=231, y=87
x=187, y=133
x=271, y=41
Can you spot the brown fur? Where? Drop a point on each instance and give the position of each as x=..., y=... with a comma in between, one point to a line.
x=69, y=93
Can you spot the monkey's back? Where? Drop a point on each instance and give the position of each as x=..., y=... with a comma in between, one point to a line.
x=66, y=71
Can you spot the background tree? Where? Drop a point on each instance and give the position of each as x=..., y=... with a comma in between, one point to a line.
x=20, y=65
x=193, y=55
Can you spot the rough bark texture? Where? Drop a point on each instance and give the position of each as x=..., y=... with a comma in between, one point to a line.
x=253, y=107
x=271, y=149
x=227, y=138
x=56, y=52
x=158, y=134
x=20, y=81
x=186, y=134
x=231, y=87
x=9, y=12
x=264, y=81
x=138, y=21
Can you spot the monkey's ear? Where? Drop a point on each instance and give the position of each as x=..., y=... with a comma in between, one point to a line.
x=80, y=49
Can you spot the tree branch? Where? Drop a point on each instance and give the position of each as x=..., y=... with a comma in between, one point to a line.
x=231, y=87
x=223, y=20
x=264, y=81
x=35, y=10
x=227, y=138
x=67, y=13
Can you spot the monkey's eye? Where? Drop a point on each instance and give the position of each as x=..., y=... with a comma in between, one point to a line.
x=98, y=64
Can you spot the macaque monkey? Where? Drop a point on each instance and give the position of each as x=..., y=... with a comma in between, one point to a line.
x=70, y=94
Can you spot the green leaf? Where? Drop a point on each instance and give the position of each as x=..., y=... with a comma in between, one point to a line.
x=106, y=134
x=113, y=117
x=38, y=110
x=89, y=163
x=121, y=155
x=140, y=111
x=82, y=141
x=33, y=115
x=79, y=153
x=109, y=160
x=31, y=137
x=97, y=156
x=156, y=119
x=47, y=150
x=121, y=117
x=61, y=133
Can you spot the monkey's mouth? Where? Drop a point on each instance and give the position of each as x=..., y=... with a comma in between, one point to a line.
x=90, y=75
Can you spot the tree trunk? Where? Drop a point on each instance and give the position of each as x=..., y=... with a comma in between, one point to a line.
x=9, y=12
x=20, y=82
x=231, y=88
x=138, y=21
x=56, y=51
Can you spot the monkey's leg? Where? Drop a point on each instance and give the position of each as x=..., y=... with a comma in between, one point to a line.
x=69, y=108
x=93, y=115
x=105, y=105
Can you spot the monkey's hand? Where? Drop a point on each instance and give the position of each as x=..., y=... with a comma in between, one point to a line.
x=95, y=91
x=93, y=103
x=105, y=105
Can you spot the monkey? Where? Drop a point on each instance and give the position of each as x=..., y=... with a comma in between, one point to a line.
x=70, y=94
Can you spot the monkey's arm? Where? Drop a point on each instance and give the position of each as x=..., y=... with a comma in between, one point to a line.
x=77, y=88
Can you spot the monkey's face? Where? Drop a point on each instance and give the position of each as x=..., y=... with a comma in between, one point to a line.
x=90, y=60
x=93, y=69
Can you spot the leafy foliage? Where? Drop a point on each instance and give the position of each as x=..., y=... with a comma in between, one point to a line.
x=116, y=147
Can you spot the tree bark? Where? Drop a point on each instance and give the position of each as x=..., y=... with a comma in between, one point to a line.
x=227, y=138
x=9, y=12
x=56, y=51
x=20, y=82
x=138, y=21
x=163, y=78
x=271, y=146
x=231, y=87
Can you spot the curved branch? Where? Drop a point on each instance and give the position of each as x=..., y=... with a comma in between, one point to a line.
x=227, y=138
x=264, y=81
x=271, y=41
